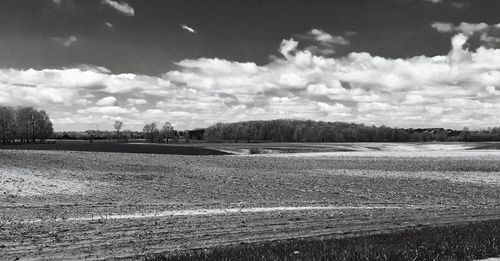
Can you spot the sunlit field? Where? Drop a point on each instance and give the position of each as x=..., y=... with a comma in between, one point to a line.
x=96, y=205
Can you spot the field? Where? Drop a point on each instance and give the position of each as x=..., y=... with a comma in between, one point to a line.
x=464, y=241
x=95, y=205
x=117, y=147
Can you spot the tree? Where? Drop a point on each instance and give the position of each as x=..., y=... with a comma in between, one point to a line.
x=465, y=135
x=27, y=123
x=185, y=135
x=118, y=126
x=167, y=131
x=151, y=131
x=7, y=124
x=31, y=124
x=44, y=125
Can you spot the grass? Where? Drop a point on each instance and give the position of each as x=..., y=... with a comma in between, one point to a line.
x=118, y=147
x=466, y=241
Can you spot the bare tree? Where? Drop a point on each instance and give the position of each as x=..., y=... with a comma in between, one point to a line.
x=186, y=136
x=7, y=124
x=167, y=131
x=44, y=126
x=27, y=123
x=118, y=126
x=151, y=131
x=32, y=124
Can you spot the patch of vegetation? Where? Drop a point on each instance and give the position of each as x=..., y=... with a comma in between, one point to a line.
x=289, y=130
x=488, y=146
x=451, y=242
x=254, y=151
x=118, y=147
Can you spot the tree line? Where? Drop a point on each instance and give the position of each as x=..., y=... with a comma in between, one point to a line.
x=318, y=131
x=151, y=132
x=29, y=125
x=24, y=125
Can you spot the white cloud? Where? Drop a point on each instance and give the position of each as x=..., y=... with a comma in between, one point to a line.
x=66, y=41
x=113, y=110
x=443, y=27
x=324, y=43
x=326, y=38
x=470, y=28
x=187, y=28
x=287, y=46
x=481, y=31
x=456, y=89
x=106, y=101
x=458, y=4
x=121, y=7
x=136, y=101
x=465, y=28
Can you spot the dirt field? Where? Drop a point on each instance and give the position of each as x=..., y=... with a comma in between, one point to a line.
x=95, y=205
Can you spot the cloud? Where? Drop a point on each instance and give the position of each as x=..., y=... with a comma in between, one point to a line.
x=66, y=41
x=443, y=27
x=106, y=101
x=460, y=5
x=287, y=46
x=187, y=28
x=398, y=92
x=323, y=42
x=470, y=28
x=465, y=28
x=489, y=40
x=136, y=101
x=456, y=89
x=108, y=110
x=482, y=31
x=455, y=4
x=326, y=38
x=121, y=7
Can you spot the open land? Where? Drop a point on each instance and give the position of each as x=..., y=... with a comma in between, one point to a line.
x=96, y=205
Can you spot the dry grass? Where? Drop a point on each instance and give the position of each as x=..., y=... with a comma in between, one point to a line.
x=451, y=242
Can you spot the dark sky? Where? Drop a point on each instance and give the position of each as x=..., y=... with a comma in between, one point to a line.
x=151, y=41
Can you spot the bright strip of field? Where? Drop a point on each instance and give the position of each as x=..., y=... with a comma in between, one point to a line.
x=210, y=212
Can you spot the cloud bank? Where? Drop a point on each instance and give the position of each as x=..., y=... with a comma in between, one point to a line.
x=457, y=89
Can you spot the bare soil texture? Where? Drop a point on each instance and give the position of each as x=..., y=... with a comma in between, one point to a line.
x=61, y=205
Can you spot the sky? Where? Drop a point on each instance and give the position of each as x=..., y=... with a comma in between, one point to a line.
x=399, y=63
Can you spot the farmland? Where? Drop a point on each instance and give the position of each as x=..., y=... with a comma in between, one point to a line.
x=116, y=147
x=96, y=205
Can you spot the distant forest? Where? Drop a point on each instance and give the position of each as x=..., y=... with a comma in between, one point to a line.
x=24, y=125
x=298, y=131
x=29, y=125
x=318, y=131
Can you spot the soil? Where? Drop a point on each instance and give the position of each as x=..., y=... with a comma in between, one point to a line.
x=61, y=205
